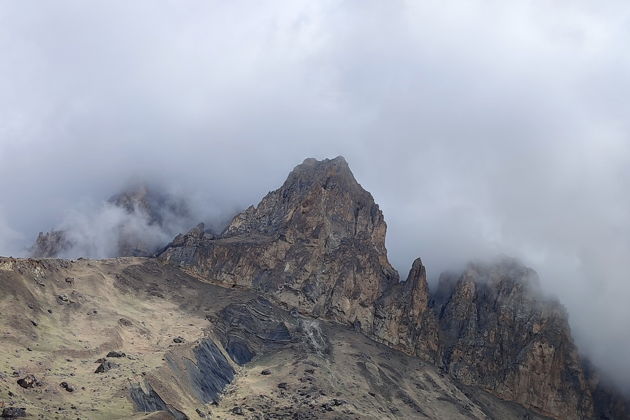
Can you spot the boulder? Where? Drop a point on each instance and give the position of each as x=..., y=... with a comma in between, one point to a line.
x=29, y=381
x=13, y=412
x=68, y=387
x=105, y=366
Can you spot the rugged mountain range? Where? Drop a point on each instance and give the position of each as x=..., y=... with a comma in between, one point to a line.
x=294, y=311
x=136, y=210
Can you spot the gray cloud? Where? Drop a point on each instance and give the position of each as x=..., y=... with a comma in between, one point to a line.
x=480, y=128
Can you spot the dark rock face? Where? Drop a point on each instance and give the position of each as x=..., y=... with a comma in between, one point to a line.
x=105, y=366
x=29, y=381
x=156, y=205
x=202, y=371
x=608, y=402
x=245, y=329
x=13, y=412
x=317, y=243
x=498, y=332
x=149, y=401
x=211, y=373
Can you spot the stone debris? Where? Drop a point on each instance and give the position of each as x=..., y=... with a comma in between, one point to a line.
x=29, y=381
x=105, y=366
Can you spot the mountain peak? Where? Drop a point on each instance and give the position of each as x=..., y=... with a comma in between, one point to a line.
x=326, y=173
x=321, y=200
x=317, y=242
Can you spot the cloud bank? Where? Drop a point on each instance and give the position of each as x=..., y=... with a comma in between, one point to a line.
x=480, y=127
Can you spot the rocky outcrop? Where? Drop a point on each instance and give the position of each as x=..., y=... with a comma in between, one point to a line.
x=316, y=244
x=403, y=319
x=497, y=331
x=50, y=244
x=247, y=329
x=147, y=400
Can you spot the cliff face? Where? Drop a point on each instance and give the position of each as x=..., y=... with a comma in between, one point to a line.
x=403, y=319
x=498, y=332
x=317, y=244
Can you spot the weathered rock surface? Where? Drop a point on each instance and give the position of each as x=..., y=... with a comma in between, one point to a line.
x=105, y=366
x=317, y=243
x=498, y=332
x=251, y=328
x=29, y=381
x=147, y=400
x=403, y=319
x=13, y=412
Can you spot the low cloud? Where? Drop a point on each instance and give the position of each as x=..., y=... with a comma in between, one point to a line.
x=483, y=128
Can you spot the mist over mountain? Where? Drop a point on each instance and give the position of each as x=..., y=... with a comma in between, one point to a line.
x=293, y=301
x=480, y=129
x=138, y=221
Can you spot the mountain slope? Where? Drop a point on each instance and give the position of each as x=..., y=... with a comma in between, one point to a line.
x=191, y=347
x=292, y=312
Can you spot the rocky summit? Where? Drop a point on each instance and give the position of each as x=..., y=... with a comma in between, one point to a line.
x=295, y=312
x=316, y=244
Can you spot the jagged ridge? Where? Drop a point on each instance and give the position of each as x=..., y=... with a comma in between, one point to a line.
x=317, y=244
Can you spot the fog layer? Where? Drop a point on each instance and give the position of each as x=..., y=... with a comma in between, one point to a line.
x=480, y=127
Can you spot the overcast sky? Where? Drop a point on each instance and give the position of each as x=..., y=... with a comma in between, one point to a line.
x=480, y=127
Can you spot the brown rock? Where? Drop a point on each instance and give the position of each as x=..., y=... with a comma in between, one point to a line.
x=317, y=243
x=29, y=381
x=403, y=319
x=497, y=331
x=68, y=387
